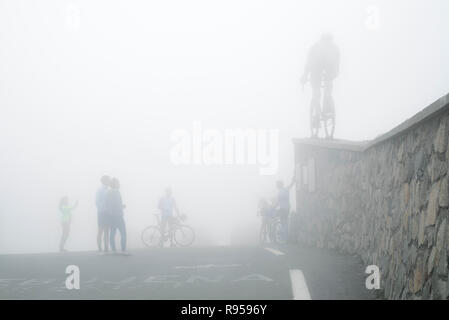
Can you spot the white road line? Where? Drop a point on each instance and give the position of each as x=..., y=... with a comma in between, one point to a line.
x=299, y=286
x=274, y=251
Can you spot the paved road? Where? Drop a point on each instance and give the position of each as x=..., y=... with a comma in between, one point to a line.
x=252, y=273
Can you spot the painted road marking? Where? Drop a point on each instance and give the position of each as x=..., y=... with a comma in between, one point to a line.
x=299, y=286
x=275, y=252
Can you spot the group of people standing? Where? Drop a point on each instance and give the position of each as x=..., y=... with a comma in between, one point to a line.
x=110, y=215
x=108, y=201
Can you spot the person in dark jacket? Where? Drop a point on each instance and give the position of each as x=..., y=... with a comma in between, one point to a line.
x=114, y=205
x=282, y=204
x=100, y=202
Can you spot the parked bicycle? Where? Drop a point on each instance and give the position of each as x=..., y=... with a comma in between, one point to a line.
x=178, y=233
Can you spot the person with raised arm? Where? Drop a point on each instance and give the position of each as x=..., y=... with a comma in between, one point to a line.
x=66, y=218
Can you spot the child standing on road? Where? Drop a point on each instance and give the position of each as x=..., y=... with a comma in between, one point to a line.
x=66, y=218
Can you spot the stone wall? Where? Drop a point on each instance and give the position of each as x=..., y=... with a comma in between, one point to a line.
x=386, y=201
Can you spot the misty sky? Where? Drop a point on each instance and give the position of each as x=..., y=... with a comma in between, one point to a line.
x=95, y=87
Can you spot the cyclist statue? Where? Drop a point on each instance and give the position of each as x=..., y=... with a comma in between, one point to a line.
x=322, y=67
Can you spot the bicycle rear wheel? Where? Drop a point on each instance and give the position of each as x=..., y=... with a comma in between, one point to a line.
x=152, y=237
x=184, y=235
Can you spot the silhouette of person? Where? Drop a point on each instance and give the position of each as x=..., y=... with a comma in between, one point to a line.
x=66, y=218
x=283, y=205
x=167, y=204
x=100, y=202
x=265, y=213
x=114, y=210
x=321, y=69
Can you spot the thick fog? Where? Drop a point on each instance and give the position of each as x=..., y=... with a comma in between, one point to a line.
x=108, y=87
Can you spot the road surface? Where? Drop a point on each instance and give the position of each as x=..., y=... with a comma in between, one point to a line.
x=253, y=273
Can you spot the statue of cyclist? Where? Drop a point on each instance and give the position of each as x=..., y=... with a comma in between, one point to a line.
x=322, y=67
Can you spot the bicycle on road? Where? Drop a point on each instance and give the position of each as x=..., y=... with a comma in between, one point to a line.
x=178, y=233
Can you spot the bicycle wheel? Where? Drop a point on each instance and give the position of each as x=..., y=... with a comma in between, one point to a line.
x=183, y=235
x=152, y=237
x=329, y=126
x=314, y=122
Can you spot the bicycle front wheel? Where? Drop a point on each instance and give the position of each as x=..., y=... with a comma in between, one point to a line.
x=184, y=235
x=152, y=237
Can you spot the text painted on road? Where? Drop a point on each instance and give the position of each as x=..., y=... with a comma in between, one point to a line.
x=73, y=281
